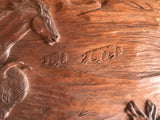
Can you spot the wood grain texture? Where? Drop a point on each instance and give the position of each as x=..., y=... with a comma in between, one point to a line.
x=107, y=55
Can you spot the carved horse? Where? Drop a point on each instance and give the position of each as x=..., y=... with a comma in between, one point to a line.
x=19, y=19
x=15, y=22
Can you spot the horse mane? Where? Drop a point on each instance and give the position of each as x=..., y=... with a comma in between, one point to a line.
x=22, y=4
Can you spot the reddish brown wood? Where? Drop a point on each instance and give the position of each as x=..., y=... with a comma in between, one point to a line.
x=106, y=55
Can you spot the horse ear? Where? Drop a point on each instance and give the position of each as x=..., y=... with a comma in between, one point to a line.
x=48, y=8
x=40, y=6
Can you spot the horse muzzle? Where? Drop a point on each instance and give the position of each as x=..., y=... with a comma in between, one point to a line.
x=52, y=40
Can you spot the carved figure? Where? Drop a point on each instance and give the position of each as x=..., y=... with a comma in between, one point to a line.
x=14, y=87
x=136, y=113
x=15, y=22
x=30, y=16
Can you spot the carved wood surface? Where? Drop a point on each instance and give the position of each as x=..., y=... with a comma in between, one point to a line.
x=89, y=59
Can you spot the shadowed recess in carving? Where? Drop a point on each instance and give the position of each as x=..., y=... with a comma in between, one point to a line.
x=135, y=113
x=14, y=87
x=102, y=54
x=55, y=59
x=22, y=17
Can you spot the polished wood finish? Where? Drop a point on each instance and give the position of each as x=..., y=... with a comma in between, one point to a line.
x=100, y=56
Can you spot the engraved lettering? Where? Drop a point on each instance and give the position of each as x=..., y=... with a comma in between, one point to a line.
x=102, y=54
x=55, y=59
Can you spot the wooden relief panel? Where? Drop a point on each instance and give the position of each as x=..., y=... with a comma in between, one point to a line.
x=79, y=59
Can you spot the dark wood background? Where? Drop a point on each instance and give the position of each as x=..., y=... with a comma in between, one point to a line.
x=82, y=85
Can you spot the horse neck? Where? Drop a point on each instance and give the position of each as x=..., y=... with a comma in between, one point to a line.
x=18, y=27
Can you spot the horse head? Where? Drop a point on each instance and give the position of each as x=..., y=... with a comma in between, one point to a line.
x=42, y=22
x=44, y=26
